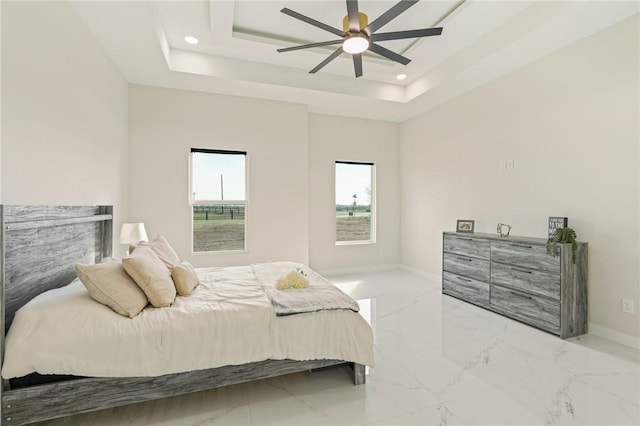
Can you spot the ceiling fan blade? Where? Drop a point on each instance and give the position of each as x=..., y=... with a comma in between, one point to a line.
x=326, y=61
x=308, y=46
x=390, y=14
x=357, y=64
x=354, y=17
x=376, y=48
x=397, y=35
x=313, y=22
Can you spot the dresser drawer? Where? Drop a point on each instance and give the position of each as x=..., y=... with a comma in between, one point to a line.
x=538, y=311
x=530, y=256
x=468, y=289
x=466, y=266
x=529, y=280
x=467, y=246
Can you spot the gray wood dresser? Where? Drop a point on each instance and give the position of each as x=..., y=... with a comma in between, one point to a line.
x=514, y=276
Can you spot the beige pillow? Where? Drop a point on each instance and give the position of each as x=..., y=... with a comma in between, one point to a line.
x=163, y=250
x=108, y=283
x=151, y=275
x=184, y=277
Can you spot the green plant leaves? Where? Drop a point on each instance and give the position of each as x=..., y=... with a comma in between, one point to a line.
x=563, y=236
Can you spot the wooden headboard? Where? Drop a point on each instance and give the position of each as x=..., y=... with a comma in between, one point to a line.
x=41, y=244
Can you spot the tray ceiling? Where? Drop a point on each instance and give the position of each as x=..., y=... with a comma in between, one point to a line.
x=236, y=53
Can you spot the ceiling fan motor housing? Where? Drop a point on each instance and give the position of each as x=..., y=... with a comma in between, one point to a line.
x=364, y=21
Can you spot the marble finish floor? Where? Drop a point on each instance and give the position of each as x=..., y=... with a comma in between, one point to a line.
x=439, y=361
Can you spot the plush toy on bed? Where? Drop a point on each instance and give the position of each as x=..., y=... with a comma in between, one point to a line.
x=293, y=280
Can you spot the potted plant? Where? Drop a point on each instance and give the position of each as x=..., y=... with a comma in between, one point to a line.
x=563, y=236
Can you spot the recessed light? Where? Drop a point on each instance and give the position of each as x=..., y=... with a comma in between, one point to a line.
x=401, y=76
x=191, y=40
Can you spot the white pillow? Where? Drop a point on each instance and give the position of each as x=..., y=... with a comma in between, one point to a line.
x=151, y=275
x=162, y=249
x=184, y=277
x=108, y=283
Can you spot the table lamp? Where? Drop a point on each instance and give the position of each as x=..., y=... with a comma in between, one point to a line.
x=132, y=233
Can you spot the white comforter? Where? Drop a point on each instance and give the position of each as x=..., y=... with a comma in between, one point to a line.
x=227, y=320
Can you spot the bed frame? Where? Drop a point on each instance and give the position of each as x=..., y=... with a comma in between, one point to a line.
x=39, y=246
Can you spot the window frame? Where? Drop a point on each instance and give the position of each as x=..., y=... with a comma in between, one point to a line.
x=193, y=202
x=373, y=230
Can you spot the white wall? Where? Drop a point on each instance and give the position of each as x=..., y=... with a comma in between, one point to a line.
x=570, y=121
x=165, y=124
x=64, y=111
x=334, y=138
x=1, y=102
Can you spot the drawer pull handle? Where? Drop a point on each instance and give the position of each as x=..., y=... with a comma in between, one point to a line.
x=522, y=246
x=522, y=270
x=464, y=279
x=521, y=295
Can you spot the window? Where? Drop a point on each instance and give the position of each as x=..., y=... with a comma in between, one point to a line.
x=355, y=202
x=218, y=200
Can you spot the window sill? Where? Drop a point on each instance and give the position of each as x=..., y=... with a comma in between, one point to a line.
x=355, y=243
x=201, y=253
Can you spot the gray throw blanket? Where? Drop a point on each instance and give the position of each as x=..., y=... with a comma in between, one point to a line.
x=321, y=295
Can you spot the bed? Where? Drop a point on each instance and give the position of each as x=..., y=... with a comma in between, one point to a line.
x=40, y=245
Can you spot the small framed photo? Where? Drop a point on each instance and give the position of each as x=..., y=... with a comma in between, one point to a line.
x=465, y=225
x=555, y=223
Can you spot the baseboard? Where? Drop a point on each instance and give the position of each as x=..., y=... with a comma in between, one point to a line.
x=359, y=269
x=364, y=269
x=430, y=276
x=614, y=336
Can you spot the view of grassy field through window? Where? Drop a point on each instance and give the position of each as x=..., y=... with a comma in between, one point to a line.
x=217, y=228
x=356, y=227
x=218, y=191
x=353, y=201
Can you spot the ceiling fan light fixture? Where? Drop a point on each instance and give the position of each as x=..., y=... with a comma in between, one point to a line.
x=355, y=44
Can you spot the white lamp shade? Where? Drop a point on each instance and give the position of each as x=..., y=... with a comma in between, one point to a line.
x=132, y=233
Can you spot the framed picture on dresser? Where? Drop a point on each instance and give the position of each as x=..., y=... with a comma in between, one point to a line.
x=556, y=223
x=465, y=225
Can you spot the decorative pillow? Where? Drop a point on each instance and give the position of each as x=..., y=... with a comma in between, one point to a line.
x=163, y=250
x=184, y=277
x=108, y=283
x=151, y=275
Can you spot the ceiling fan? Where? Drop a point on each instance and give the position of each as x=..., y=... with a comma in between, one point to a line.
x=358, y=35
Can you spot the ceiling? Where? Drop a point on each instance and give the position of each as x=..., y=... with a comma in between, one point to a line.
x=236, y=53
